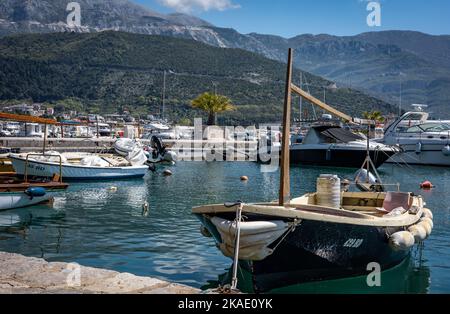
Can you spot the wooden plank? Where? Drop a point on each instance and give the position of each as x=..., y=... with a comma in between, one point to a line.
x=321, y=104
x=24, y=118
x=285, y=189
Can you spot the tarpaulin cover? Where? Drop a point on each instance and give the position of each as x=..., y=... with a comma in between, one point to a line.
x=341, y=135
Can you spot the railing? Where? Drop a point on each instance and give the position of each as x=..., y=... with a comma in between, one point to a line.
x=44, y=155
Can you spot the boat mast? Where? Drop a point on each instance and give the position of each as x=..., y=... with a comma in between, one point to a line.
x=285, y=189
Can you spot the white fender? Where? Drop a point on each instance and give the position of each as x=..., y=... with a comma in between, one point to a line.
x=418, y=148
x=429, y=221
x=402, y=240
x=427, y=213
x=426, y=225
x=446, y=150
x=255, y=237
x=257, y=253
x=248, y=228
x=419, y=233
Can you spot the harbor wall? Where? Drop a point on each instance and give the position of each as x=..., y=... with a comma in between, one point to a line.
x=195, y=150
x=24, y=275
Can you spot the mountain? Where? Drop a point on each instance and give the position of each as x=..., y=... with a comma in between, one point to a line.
x=390, y=65
x=101, y=72
x=397, y=66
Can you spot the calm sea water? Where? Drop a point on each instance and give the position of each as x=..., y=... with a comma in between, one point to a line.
x=93, y=226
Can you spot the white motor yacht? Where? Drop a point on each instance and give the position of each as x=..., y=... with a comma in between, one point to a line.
x=422, y=141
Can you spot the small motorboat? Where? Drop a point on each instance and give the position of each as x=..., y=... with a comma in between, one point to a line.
x=80, y=166
x=324, y=235
x=17, y=193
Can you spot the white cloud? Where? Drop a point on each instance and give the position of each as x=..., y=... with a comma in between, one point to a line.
x=187, y=6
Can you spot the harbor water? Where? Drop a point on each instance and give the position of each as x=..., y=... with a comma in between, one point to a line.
x=101, y=224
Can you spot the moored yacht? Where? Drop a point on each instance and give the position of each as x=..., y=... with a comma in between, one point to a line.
x=423, y=141
x=332, y=145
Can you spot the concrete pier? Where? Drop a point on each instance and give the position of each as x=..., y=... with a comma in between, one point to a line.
x=186, y=149
x=20, y=275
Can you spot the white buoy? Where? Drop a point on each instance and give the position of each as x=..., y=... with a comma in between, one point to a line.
x=145, y=209
x=167, y=173
x=418, y=232
x=244, y=178
x=113, y=189
x=402, y=240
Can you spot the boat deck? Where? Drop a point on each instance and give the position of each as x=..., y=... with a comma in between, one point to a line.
x=10, y=183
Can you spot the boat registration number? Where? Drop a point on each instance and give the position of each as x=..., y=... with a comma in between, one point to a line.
x=37, y=167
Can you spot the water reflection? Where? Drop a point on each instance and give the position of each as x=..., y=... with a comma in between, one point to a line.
x=411, y=277
x=97, y=226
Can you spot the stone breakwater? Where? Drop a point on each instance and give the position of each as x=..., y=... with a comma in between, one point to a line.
x=20, y=274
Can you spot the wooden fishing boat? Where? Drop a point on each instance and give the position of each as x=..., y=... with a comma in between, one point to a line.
x=324, y=235
x=79, y=166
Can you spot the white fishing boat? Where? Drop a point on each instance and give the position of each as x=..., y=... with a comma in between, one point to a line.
x=79, y=166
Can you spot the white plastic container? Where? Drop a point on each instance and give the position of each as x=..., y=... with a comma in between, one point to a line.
x=329, y=191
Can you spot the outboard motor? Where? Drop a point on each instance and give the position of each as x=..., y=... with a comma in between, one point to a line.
x=157, y=145
x=158, y=150
x=366, y=181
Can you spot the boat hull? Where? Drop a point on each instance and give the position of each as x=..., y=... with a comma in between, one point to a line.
x=430, y=156
x=353, y=158
x=319, y=251
x=76, y=173
x=12, y=200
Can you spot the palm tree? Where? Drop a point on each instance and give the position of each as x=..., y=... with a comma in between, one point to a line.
x=212, y=104
x=374, y=116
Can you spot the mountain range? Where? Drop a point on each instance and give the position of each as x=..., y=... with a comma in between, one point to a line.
x=397, y=66
x=108, y=71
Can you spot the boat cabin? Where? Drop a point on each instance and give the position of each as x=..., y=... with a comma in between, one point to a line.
x=330, y=135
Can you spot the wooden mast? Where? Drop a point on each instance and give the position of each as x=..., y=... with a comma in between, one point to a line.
x=285, y=189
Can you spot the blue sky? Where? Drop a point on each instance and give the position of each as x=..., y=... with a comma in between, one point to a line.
x=292, y=17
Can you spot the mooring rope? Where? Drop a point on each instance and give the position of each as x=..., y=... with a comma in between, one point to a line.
x=291, y=229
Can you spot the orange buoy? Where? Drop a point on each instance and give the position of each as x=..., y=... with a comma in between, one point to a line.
x=426, y=185
x=244, y=178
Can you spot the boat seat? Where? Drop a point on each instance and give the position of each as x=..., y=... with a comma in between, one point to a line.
x=395, y=200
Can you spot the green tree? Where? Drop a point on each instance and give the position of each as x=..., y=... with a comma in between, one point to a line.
x=185, y=122
x=212, y=104
x=374, y=116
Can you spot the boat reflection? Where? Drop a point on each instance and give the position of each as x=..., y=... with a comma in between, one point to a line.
x=410, y=277
x=16, y=225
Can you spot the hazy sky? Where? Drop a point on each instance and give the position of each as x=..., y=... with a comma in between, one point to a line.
x=292, y=17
